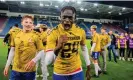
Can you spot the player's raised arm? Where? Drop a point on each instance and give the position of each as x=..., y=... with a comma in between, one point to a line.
x=62, y=39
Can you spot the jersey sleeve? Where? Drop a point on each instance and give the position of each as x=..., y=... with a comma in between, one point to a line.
x=10, y=32
x=51, y=41
x=12, y=42
x=95, y=38
x=39, y=44
x=83, y=41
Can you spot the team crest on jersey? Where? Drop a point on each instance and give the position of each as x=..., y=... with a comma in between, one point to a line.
x=30, y=41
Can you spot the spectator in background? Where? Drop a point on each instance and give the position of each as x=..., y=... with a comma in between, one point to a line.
x=127, y=42
x=130, y=47
x=105, y=42
x=122, y=46
x=112, y=46
x=116, y=46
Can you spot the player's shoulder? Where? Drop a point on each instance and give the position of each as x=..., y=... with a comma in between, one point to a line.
x=35, y=33
x=54, y=30
x=79, y=28
x=15, y=29
x=18, y=34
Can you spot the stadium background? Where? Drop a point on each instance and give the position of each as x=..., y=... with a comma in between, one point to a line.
x=113, y=15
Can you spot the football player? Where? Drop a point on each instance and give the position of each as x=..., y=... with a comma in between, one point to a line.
x=23, y=50
x=105, y=42
x=95, y=49
x=64, y=42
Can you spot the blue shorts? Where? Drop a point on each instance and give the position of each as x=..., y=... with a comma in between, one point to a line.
x=95, y=55
x=22, y=75
x=78, y=76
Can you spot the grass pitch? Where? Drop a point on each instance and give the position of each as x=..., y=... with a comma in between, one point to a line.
x=123, y=70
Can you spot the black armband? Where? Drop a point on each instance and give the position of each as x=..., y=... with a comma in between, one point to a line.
x=6, y=38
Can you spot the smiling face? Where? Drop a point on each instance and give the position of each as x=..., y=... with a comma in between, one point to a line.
x=103, y=31
x=67, y=18
x=27, y=23
x=126, y=34
x=110, y=32
x=131, y=35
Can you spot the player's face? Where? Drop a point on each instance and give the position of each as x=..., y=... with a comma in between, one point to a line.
x=27, y=24
x=102, y=31
x=40, y=29
x=110, y=32
x=126, y=34
x=131, y=35
x=92, y=30
x=67, y=19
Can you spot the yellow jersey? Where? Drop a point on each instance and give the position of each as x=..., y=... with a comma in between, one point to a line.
x=13, y=32
x=105, y=39
x=96, y=39
x=68, y=60
x=26, y=45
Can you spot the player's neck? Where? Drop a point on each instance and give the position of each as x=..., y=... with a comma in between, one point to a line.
x=41, y=31
x=93, y=32
x=104, y=33
x=26, y=31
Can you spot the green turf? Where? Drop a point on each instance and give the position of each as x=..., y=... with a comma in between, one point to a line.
x=122, y=70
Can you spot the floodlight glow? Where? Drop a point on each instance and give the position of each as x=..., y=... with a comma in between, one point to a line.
x=109, y=12
x=60, y=0
x=123, y=8
x=22, y=2
x=82, y=9
x=111, y=7
x=95, y=4
x=56, y=6
x=78, y=2
x=98, y=11
x=46, y=5
x=2, y=0
x=85, y=9
x=120, y=13
x=67, y=0
x=41, y=5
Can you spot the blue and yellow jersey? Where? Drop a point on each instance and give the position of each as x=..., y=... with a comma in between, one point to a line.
x=105, y=39
x=96, y=39
x=13, y=32
x=68, y=60
x=26, y=45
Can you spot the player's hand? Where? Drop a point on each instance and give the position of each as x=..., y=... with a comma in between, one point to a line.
x=102, y=49
x=62, y=39
x=88, y=75
x=4, y=43
x=6, y=71
x=29, y=66
x=90, y=52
